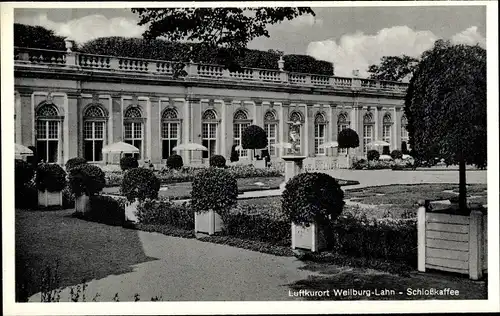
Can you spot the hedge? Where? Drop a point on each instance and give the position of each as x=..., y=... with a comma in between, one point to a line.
x=164, y=212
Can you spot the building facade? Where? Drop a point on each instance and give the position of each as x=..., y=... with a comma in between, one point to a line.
x=69, y=104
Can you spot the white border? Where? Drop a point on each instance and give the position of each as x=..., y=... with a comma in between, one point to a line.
x=204, y=308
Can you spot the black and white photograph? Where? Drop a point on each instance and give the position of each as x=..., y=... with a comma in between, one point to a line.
x=312, y=157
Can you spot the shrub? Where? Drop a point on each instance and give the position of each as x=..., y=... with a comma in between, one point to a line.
x=73, y=162
x=235, y=156
x=312, y=197
x=396, y=154
x=174, y=162
x=372, y=155
x=106, y=210
x=164, y=212
x=27, y=195
x=254, y=137
x=214, y=189
x=86, y=179
x=68, y=197
x=140, y=183
x=50, y=177
x=218, y=161
x=127, y=163
x=359, y=164
x=249, y=171
x=23, y=173
x=348, y=138
x=113, y=178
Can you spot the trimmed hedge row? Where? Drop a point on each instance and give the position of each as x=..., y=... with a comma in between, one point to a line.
x=164, y=212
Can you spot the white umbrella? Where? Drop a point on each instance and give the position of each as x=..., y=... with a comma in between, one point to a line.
x=23, y=150
x=120, y=147
x=190, y=146
x=407, y=157
x=385, y=157
x=283, y=145
x=378, y=143
x=332, y=144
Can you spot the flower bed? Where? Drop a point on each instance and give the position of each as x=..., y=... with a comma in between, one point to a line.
x=397, y=164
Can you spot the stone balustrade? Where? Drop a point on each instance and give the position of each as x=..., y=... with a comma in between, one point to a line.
x=51, y=58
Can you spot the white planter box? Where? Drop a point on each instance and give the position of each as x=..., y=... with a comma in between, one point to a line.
x=82, y=204
x=452, y=242
x=130, y=211
x=208, y=222
x=308, y=238
x=46, y=198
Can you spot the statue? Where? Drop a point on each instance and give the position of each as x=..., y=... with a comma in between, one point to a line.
x=295, y=137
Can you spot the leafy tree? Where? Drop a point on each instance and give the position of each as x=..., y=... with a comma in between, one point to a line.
x=446, y=107
x=393, y=68
x=230, y=29
x=254, y=137
x=348, y=138
x=37, y=37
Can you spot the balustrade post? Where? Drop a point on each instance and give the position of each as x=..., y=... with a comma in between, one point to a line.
x=284, y=76
x=192, y=69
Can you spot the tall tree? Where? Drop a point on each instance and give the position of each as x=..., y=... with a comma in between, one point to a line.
x=393, y=68
x=446, y=107
x=227, y=29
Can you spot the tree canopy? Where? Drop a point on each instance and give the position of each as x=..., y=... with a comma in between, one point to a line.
x=254, y=137
x=446, y=106
x=393, y=68
x=37, y=37
x=348, y=138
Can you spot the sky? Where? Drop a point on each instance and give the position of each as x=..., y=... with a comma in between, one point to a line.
x=350, y=37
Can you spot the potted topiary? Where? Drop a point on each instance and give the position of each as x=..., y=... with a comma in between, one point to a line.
x=214, y=192
x=311, y=201
x=73, y=162
x=348, y=138
x=85, y=182
x=254, y=137
x=138, y=184
x=372, y=155
x=174, y=162
x=218, y=161
x=50, y=181
x=128, y=162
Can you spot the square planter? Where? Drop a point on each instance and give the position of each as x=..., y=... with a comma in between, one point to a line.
x=452, y=241
x=82, y=204
x=308, y=237
x=130, y=211
x=47, y=199
x=207, y=222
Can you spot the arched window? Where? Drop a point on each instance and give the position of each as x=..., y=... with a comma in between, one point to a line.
x=342, y=123
x=386, y=129
x=295, y=117
x=367, y=131
x=48, y=132
x=404, y=134
x=134, y=129
x=94, y=122
x=169, y=132
x=271, y=128
x=319, y=133
x=209, y=132
x=240, y=122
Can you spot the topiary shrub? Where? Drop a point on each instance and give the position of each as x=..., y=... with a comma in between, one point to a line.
x=86, y=179
x=235, y=156
x=348, y=138
x=372, y=155
x=141, y=184
x=396, y=154
x=23, y=173
x=174, y=162
x=218, y=161
x=254, y=137
x=312, y=197
x=127, y=163
x=73, y=162
x=214, y=189
x=50, y=177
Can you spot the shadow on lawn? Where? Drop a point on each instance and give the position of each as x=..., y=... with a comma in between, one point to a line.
x=334, y=278
x=82, y=250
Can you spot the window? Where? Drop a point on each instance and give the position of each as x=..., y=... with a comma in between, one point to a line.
x=404, y=133
x=295, y=117
x=319, y=134
x=342, y=124
x=271, y=128
x=209, y=133
x=239, y=126
x=386, y=130
x=133, y=129
x=169, y=132
x=93, y=133
x=367, y=131
x=47, y=133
